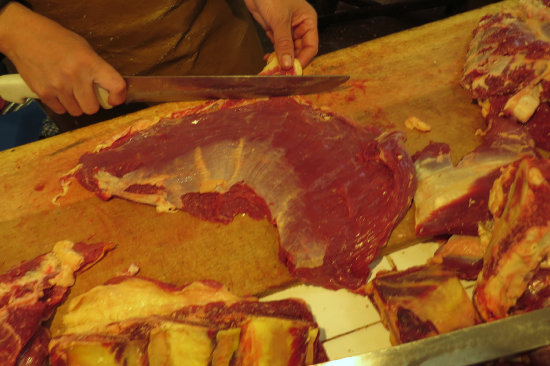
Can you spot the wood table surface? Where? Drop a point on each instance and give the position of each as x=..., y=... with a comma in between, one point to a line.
x=411, y=73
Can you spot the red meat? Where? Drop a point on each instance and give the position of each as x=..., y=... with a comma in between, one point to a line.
x=507, y=69
x=519, y=240
x=335, y=190
x=29, y=294
x=454, y=199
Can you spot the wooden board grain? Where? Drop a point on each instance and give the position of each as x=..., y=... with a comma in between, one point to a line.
x=410, y=73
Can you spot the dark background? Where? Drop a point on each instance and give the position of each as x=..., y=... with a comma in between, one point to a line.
x=345, y=23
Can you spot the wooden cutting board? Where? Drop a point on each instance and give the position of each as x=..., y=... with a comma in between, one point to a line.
x=412, y=73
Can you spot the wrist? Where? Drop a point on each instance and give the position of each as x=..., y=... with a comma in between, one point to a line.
x=12, y=15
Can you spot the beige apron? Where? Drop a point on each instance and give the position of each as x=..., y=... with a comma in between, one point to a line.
x=159, y=37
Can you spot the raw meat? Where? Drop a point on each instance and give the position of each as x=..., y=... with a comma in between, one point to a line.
x=520, y=239
x=509, y=56
x=461, y=254
x=420, y=302
x=454, y=199
x=537, y=294
x=149, y=322
x=30, y=293
x=124, y=298
x=335, y=190
x=507, y=66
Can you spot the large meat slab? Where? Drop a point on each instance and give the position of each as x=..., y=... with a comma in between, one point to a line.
x=335, y=190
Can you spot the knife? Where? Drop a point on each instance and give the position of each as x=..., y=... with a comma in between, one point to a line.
x=186, y=88
x=480, y=343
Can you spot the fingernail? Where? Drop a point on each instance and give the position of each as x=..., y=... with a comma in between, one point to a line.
x=287, y=61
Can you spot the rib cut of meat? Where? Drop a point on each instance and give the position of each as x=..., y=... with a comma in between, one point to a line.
x=30, y=293
x=520, y=239
x=420, y=302
x=454, y=199
x=335, y=190
x=199, y=323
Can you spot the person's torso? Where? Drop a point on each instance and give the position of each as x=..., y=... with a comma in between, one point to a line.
x=165, y=36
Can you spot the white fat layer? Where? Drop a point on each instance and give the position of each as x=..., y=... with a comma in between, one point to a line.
x=135, y=298
x=441, y=184
x=61, y=262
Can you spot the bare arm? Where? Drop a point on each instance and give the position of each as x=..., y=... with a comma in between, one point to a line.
x=58, y=64
x=292, y=27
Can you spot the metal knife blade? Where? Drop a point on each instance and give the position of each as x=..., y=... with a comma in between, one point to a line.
x=466, y=346
x=185, y=88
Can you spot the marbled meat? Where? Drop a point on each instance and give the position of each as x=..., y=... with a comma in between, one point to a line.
x=507, y=69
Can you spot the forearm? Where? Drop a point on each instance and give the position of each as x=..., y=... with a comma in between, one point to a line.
x=59, y=65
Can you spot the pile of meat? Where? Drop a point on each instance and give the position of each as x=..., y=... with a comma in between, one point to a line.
x=137, y=321
x=492, y=210
x=507, y=67
x=335, y=191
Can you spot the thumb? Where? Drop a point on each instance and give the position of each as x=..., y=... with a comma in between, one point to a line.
x=283, y=45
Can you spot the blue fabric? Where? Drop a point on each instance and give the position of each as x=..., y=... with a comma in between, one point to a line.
x=22, y=126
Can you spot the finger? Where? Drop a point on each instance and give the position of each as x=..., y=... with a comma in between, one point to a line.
x=86, y=98
x=306, y=54
x=308, y=47
x=283, y=44
x=54, y=104
x=69, y=102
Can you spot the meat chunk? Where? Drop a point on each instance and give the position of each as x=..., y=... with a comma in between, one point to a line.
x=509, y=56
x=420, y=302
x=507, y=69
x=454, y=199
x=462, y=254
x=30, y=293
x=199, y=323
x=520, y=238
x=334, y=189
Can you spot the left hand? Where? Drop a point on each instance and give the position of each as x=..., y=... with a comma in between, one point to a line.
x=292, y=27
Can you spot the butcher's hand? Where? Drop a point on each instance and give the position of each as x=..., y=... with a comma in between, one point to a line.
x=57, y=64
x=292, y=27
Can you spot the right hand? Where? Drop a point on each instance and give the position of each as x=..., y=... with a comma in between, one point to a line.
x=57, y=64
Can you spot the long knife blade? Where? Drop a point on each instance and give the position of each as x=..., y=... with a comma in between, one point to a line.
x=185, y=88
x=480, y=343
x=161, y=89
